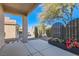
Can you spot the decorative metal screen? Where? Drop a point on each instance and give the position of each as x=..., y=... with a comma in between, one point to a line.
x=73, y=29
x=58, y=30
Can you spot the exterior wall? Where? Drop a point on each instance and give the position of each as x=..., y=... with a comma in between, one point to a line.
x=10, y=31
x=31, y=32
x=1, y=28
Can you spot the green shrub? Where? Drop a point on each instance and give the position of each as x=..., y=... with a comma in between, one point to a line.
x=48, y=32
x=36, y=32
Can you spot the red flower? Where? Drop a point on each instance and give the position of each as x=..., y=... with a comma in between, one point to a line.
x=68, y=43
x=76, y=44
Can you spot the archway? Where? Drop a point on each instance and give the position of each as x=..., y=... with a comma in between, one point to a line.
x=58, y=30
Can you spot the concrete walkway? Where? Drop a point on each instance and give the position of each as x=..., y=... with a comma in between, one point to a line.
x=33, y=48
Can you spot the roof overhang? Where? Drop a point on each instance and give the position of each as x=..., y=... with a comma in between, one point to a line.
x=19, y=8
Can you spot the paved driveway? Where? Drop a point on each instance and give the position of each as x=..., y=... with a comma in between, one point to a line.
x=33, y=48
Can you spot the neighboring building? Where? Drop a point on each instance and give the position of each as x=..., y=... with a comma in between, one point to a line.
x=20, y=32
x=31, y=33
x=73, y=29
x=11, y=29
x=58, y=30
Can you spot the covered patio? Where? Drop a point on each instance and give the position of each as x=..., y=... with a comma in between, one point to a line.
x=33, y=48
x=22, y=9
x=36, y=47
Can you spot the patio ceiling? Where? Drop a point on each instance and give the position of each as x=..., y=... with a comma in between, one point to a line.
x=19, y=8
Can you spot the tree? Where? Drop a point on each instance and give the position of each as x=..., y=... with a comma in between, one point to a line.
x=49, y=32
x=41, y=29
x=50, y=11
x=57, y=10
x=36, y=32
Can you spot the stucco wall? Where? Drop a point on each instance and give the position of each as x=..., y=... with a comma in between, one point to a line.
x=25, y=29
x=10, y=31
x=1, y=28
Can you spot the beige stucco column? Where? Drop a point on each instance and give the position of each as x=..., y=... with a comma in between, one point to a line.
x=1, y=26
x=25, y=29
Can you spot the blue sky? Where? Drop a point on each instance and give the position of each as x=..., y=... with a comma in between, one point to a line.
x=33, y=19
x=14, y=17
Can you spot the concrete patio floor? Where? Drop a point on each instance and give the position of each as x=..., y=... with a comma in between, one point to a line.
x=36, y=47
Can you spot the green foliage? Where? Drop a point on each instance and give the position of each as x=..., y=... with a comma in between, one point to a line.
x=41, y=29
x=48, y=32
x=58, y=40
x=56, y=10
x=50, y=11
